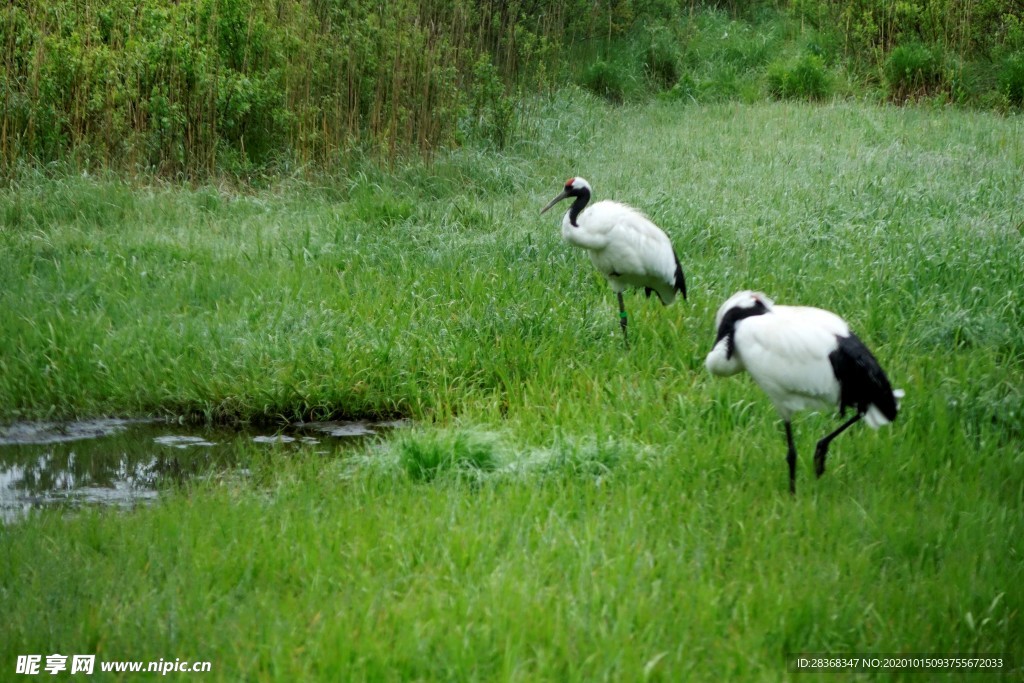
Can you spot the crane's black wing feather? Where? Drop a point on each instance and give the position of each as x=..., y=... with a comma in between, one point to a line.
x=862, y=382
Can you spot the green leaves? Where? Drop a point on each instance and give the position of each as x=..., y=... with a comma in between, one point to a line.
x=804, y=77
x=914, y=69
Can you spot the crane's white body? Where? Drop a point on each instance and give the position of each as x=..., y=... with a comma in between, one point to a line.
x=786, y=351
x=802, y=358
x=624, y=246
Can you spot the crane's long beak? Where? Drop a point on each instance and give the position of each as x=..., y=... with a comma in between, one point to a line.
x=554, y=201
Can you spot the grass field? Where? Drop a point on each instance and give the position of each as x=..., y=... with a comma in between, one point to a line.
x=565, y=510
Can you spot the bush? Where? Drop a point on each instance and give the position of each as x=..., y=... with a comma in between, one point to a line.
x=662, y=58
x=1011, y=78
x=803, y=78
x=610, y=80
x=914, y=70
x=492, y=112
x=686, y=88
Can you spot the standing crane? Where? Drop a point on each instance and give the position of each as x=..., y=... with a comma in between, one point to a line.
x=803, y=358
x=623, y=244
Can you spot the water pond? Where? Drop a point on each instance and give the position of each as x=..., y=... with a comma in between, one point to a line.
x=116, y=462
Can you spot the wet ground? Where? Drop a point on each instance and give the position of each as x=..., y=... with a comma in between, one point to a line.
x=126, y=462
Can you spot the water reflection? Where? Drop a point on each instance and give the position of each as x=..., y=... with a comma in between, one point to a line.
x=124, y=462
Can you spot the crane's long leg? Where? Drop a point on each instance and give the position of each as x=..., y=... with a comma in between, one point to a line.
x=622, y=320
x=822, y=449
x=791, y=458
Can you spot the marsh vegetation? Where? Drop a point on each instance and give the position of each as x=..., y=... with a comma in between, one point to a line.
x=563, y=509
x=337, y=218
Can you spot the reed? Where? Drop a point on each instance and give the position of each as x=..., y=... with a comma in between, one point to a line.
x=248, y=90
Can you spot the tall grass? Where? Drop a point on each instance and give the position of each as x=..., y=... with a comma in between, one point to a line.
x=250, y=306
x=946, y=50
x=246, y=89
x=237, y=87
x=582, y=512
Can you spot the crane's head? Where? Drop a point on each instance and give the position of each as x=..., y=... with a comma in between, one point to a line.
x=574, y=187
x=740, y=305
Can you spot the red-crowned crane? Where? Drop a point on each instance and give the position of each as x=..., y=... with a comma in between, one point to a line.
x=802, y=358
x=624, y=245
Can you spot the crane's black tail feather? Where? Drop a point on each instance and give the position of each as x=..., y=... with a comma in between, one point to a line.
x=862, y=382
x=680, y=284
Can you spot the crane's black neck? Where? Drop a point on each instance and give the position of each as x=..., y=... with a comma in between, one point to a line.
x=727, y=330
x=582, y=197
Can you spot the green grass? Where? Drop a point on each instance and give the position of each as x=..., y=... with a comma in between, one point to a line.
x=565, y=510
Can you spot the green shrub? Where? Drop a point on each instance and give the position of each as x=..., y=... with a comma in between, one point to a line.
x=662, y=58
x=686, y=88
x=611, y=80
x=492, y=112
x=1011, y=78
x=804, y=77
x=972, y=82
x=716, y=41
x=914, y=70
x=866, y=28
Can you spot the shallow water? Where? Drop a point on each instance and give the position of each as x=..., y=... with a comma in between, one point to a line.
x=124, y=462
